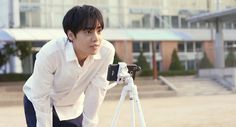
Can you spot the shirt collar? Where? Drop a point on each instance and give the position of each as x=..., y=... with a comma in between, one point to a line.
x=70, y=53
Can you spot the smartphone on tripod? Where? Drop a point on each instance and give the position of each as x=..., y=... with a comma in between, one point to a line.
x=113, y=71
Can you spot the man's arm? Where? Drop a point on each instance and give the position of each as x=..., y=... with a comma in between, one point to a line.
x=95, y=93
x=42, y=80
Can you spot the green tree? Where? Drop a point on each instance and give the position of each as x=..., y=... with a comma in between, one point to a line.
x=116, y=59
x=175, y=64
x=3, y=58
x=145, y=67
x=230, y=60
x=5, y=53
x=205, y=62
x=24, y=49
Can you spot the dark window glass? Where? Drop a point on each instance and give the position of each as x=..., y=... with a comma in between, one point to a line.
x=198, y=46
x=229, y=44
x=181, y=47
x=203, y=25
x=191, y=65
x=146, y=47
x=184, y=23
x=156, y=22
x=146, y=21
x=189, y=47
x=228, y=25
x=183, y=64
x=23, y=19
x=136, y=47
x=194, y=25
x=157, y=47
x=234, y=24
x=175, y=21
x=158, y=65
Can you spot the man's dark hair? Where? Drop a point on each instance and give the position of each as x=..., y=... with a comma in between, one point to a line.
x=82, y=18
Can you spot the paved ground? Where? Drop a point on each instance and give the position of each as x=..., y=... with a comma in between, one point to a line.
x=186, y=111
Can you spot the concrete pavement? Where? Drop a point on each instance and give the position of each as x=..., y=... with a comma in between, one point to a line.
x=184, y=111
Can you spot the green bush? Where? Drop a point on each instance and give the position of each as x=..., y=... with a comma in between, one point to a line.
x=230, y=60
x=175, y=64
x=145, y=67
x=205, y=62
x=5, y=53
x=13, y=77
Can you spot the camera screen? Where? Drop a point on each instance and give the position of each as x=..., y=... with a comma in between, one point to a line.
x=113, y=71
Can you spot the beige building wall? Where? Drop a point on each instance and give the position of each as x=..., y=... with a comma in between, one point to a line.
x=124, y=50
x=166, y=48
x=116, y=12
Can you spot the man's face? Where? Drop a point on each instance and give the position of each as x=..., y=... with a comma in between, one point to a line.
x=87, y=42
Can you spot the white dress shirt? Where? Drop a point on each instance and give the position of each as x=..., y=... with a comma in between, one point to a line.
x=58, y=80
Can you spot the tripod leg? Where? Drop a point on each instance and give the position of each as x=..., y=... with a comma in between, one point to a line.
x=117, y=112
x=132, y=104
x=138, y=107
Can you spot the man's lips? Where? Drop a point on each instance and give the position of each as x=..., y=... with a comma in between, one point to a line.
x=94, y=46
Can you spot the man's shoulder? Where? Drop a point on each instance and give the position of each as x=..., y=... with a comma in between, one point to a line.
x=53, y=45
x=106, y=45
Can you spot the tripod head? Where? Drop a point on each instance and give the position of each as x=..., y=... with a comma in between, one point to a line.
x=120, y=72
x=117, y=71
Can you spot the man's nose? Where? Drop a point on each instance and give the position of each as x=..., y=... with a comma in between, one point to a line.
x=96, y=37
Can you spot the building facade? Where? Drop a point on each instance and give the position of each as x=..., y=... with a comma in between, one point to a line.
x=163, y=22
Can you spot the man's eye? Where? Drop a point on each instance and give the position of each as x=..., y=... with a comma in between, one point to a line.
x=88, y=31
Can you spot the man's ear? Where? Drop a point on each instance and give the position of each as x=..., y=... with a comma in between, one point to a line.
x=70, y=35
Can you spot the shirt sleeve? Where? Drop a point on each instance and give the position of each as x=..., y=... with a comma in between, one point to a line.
x=95, y=93
x=42, y=80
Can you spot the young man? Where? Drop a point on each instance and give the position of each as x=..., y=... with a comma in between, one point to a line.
x=68, y=84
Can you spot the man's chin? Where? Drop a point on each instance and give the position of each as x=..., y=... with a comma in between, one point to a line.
x=94, y=52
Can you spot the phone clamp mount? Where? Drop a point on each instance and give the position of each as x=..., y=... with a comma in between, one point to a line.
x=123, y=76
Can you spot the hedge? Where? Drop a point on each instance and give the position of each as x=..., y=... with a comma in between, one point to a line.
x=13, y=77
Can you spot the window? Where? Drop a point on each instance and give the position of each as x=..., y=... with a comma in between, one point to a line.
x=136, y=24
x=181, y=47
x=146, y=47
x=184, y=23
x=198, y=46
x=165, y=21
x=183, y=64
x=156, y=22
x=136, y=47
x=203, y=25
x=158, y=63
x=157, y=47
x=146, y=21
x=234, y=24
x=194, y=25
x=175, y=21
x=23, y=19
x=229, y=44
x=227, y=25
x=189, y=47
x=191, y=64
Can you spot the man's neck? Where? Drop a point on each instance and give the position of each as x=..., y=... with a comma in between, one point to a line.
x=81, y=61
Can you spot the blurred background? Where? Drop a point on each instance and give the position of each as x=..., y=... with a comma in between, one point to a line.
x=186, y=49
x=156, y=31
